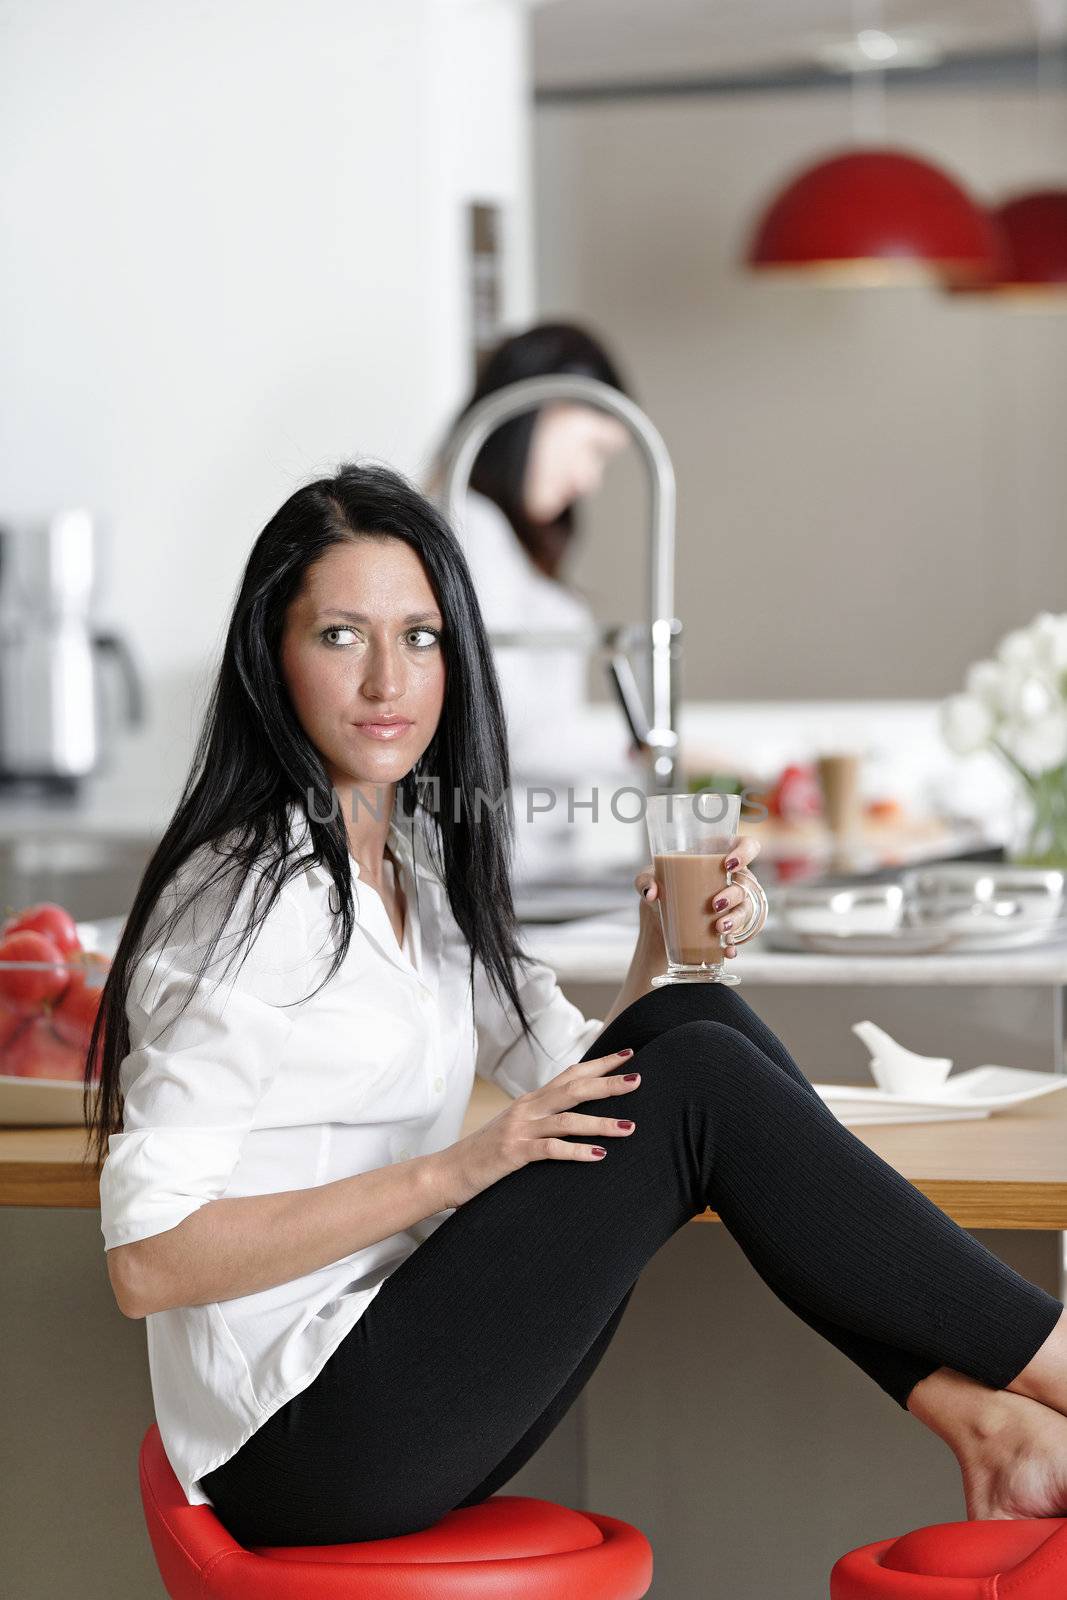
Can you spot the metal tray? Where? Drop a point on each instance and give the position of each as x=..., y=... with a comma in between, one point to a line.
x=958, y=906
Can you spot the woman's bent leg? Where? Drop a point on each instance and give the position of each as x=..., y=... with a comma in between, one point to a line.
x=896, y=1371
x=481, y=1327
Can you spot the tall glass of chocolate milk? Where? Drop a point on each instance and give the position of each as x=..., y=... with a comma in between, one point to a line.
x=691, y=835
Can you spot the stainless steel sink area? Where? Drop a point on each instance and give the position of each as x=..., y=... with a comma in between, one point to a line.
x=547, y=900
x=93, y=876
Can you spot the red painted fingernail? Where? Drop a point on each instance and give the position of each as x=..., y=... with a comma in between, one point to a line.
x=623, y=1122
x=727, y=922
x=598, y=1150
x=626, y=1052
x=728, y=866
x=630, y=1077
x=717, y=905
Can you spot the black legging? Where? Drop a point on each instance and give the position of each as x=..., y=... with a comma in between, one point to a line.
x=477, y=1344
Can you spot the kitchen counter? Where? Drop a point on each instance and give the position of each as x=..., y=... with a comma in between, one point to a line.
x=598, y=950
x=1005, y=1171
x=997, y=1169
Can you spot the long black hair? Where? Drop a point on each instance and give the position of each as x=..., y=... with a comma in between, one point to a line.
x=253, y=758
x=499, y=469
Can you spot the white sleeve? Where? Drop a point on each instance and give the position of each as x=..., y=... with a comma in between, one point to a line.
x=503, y=1055
x=191, y=1083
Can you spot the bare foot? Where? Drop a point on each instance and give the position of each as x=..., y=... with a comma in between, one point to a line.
x=1016, y=1464
x=1045, y=1376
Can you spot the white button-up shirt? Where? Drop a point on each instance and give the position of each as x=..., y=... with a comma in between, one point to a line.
x=247, y=1093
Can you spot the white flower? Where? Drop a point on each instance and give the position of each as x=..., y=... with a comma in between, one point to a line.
x=966, y=723
x=1018, y=649
x=984, y=681
x=1040, y=745
x=1026, y=696
x=1016, y=700
x=1050, y=642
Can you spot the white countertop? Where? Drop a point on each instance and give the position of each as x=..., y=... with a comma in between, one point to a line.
x=598, y=950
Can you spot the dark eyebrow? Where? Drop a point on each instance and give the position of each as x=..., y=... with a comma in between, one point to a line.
x=357, y=616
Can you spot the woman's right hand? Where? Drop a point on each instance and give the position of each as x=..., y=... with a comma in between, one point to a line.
x=531, y=1129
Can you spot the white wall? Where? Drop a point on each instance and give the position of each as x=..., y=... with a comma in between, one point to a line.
x=233, y=257
x=872, y=484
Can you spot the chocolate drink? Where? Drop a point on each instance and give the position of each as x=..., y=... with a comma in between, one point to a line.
x=688, y=883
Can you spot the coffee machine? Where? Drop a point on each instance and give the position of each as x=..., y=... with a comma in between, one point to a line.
x=56, y=723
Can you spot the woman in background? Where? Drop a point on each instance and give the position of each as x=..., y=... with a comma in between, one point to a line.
x=517, y=529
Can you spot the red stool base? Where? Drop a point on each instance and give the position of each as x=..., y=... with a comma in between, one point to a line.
x=1023, y=1559
x=511, y=1547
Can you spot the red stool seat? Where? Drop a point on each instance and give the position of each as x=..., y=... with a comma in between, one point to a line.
x=1019, y=1559
x=511, y=1547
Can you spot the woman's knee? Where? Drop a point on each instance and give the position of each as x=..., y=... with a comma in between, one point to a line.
x=705, y=1032
x=651, y=1014
x=709, y=1053
x=659, y=1011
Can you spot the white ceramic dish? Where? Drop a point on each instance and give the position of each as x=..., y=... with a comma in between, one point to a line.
x=976, y=1093
x=854, y=1116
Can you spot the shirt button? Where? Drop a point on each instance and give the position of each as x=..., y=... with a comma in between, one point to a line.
x=403, y=1153
x=439, y=1083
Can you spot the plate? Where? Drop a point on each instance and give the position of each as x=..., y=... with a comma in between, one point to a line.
x=975, y=1093
x=855, y=1116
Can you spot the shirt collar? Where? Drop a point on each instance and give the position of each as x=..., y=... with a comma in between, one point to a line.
x=299, y=833
x=371, y=917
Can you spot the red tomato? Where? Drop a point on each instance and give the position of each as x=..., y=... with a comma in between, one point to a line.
x=37, y=1053
x=10, y=1023
x=75, y=1012
x=53, y=921
x=27, y=989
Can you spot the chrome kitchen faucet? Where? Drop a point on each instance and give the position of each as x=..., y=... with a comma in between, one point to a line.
x=661, y=636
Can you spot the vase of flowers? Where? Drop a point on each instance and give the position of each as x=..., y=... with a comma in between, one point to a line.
x=1015, y=703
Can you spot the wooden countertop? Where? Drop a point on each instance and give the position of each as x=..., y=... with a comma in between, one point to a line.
x=1004, y=1171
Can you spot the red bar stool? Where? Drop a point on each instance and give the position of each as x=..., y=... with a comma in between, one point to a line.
x=1018, y=1559
x=511, y=1547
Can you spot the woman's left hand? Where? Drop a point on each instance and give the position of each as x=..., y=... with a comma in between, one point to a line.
x=742, y=853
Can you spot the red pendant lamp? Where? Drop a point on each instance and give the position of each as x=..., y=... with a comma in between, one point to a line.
x=877, y=216
x=1034, y=227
